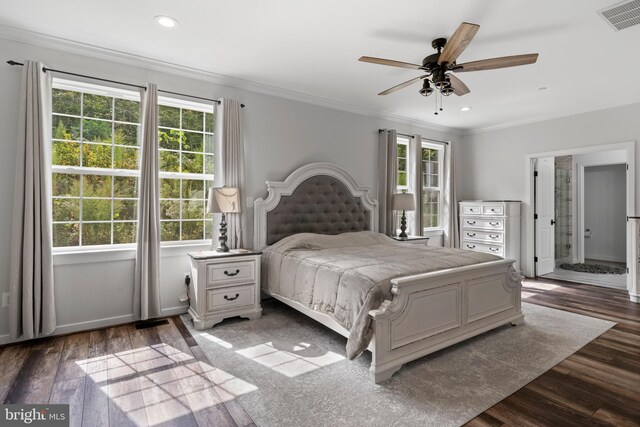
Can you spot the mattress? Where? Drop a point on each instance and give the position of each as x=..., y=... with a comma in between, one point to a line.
x=347, y=275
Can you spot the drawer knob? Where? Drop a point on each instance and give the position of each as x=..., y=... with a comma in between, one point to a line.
x=226, y=273
x=493, y=236
x=494, y=224
x=471, y=222
x=471, y=246
x=231, y=298
x=492, y=210
x=471, y=234
x=494, y=249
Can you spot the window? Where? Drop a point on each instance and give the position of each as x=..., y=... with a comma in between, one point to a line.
x=95, y=165
x=431, y=186
x=186, y=169
x=95, y=148
x=431, y=191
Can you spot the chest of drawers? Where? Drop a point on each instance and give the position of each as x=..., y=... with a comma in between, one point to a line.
x=491, y=227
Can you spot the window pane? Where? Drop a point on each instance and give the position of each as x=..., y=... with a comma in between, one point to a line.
x=96, y=156
x=66, y=209
x=169, y=209
x=125, y=210
x=97, y=106
x=192, y=209
x=192, y=163
x=66, y=184
x=402, y=150
x=66, y=235
x=125, y=186
x=125, y=134
x=65, y=128
x=125, y=157
x=192, y=120
x=193, y=189
x=169, y=188
x=169, y=138
x=65, y=153
x=96, y=131
x=96, y=210
x=169, y=161
x=209, y=165
x=96, y=234
x=192, y=230
x=170, y=231
x=96, y=186
x=192, y=141
x=402, y=178
x=208, y=144
x=65, y=102
x=402, y=164
x=209, y=122
x=124, y=232
x=169, y=116
x=127, y=111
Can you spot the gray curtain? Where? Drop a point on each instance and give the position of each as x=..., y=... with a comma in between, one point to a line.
x=146, y=296
x=387, y=174
x=230, y=150
x=32, y=306
x=450, y=201
x=415, y=184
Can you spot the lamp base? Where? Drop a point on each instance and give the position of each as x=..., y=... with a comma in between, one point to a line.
x=222, y=240
x=403, y=226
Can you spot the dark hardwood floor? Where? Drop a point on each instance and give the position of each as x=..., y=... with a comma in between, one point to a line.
x=599, y=385
x=122, y=376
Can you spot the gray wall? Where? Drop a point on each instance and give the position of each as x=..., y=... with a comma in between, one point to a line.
x=96, y=289
x=605, y=212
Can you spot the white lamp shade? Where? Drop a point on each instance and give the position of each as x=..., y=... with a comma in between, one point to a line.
x=223, y=199
x=404, y=202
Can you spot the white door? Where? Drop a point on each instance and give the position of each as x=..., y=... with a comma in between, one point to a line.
x=545, y=210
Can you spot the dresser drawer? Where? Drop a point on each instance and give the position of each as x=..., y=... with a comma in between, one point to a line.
x=481, y=247
x=483, y=236
x=230, y=273
x=492, y=210
x=235, y=296
x=483, y=223
x=472, y=209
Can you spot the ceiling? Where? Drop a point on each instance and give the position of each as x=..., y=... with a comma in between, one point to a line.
x=311, y=47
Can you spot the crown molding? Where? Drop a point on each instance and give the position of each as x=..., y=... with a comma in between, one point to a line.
x=88, y=50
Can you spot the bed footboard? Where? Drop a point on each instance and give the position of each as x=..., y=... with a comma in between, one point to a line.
x=432, y=311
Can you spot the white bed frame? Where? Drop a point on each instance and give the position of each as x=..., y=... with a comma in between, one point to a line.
x=429, y=311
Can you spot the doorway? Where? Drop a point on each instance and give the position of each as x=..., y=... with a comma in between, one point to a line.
x=576, y=216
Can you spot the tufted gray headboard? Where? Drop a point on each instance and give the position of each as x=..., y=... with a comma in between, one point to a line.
x=316, y=198
x=321, y=204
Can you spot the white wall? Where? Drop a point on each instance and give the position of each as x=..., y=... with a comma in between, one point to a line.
x=492, y=164
x=93, y=290
x=605, y=212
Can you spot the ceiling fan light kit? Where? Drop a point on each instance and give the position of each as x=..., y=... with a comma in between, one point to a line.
x=439, y=66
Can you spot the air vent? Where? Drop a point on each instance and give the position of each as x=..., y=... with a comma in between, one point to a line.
x=622, y=15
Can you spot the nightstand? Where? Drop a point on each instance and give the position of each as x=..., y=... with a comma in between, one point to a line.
x=416, y=240
x=224, y=284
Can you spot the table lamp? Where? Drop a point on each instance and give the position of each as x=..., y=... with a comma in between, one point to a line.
x=223, y=200
x=403, y=202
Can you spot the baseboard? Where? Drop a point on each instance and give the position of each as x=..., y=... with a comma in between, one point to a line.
x=605, y=258
x=99, y=323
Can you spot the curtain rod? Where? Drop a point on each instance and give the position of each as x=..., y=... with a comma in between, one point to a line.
x=45, y=69
x=411, y=136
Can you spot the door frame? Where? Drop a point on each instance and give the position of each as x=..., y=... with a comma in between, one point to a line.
x=528, y=248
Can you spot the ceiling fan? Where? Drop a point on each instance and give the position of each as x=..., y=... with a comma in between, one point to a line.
x=438, y=66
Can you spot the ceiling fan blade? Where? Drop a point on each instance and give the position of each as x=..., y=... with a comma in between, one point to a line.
x=459, y=88
x=494, y=63
x=458, y=42
x=389, y=62
x=402, y=85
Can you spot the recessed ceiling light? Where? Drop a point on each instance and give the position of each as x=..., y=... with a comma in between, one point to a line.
x=542, y=88
x=166, y=21
x=465, y=108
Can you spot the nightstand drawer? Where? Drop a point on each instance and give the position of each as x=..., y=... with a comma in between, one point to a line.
x=221, y=299
x=230, y=273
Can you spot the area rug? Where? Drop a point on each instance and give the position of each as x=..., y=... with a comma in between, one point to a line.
x=594, y=268
x=300, y=377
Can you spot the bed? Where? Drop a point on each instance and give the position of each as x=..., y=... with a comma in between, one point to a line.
x=322, y=255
